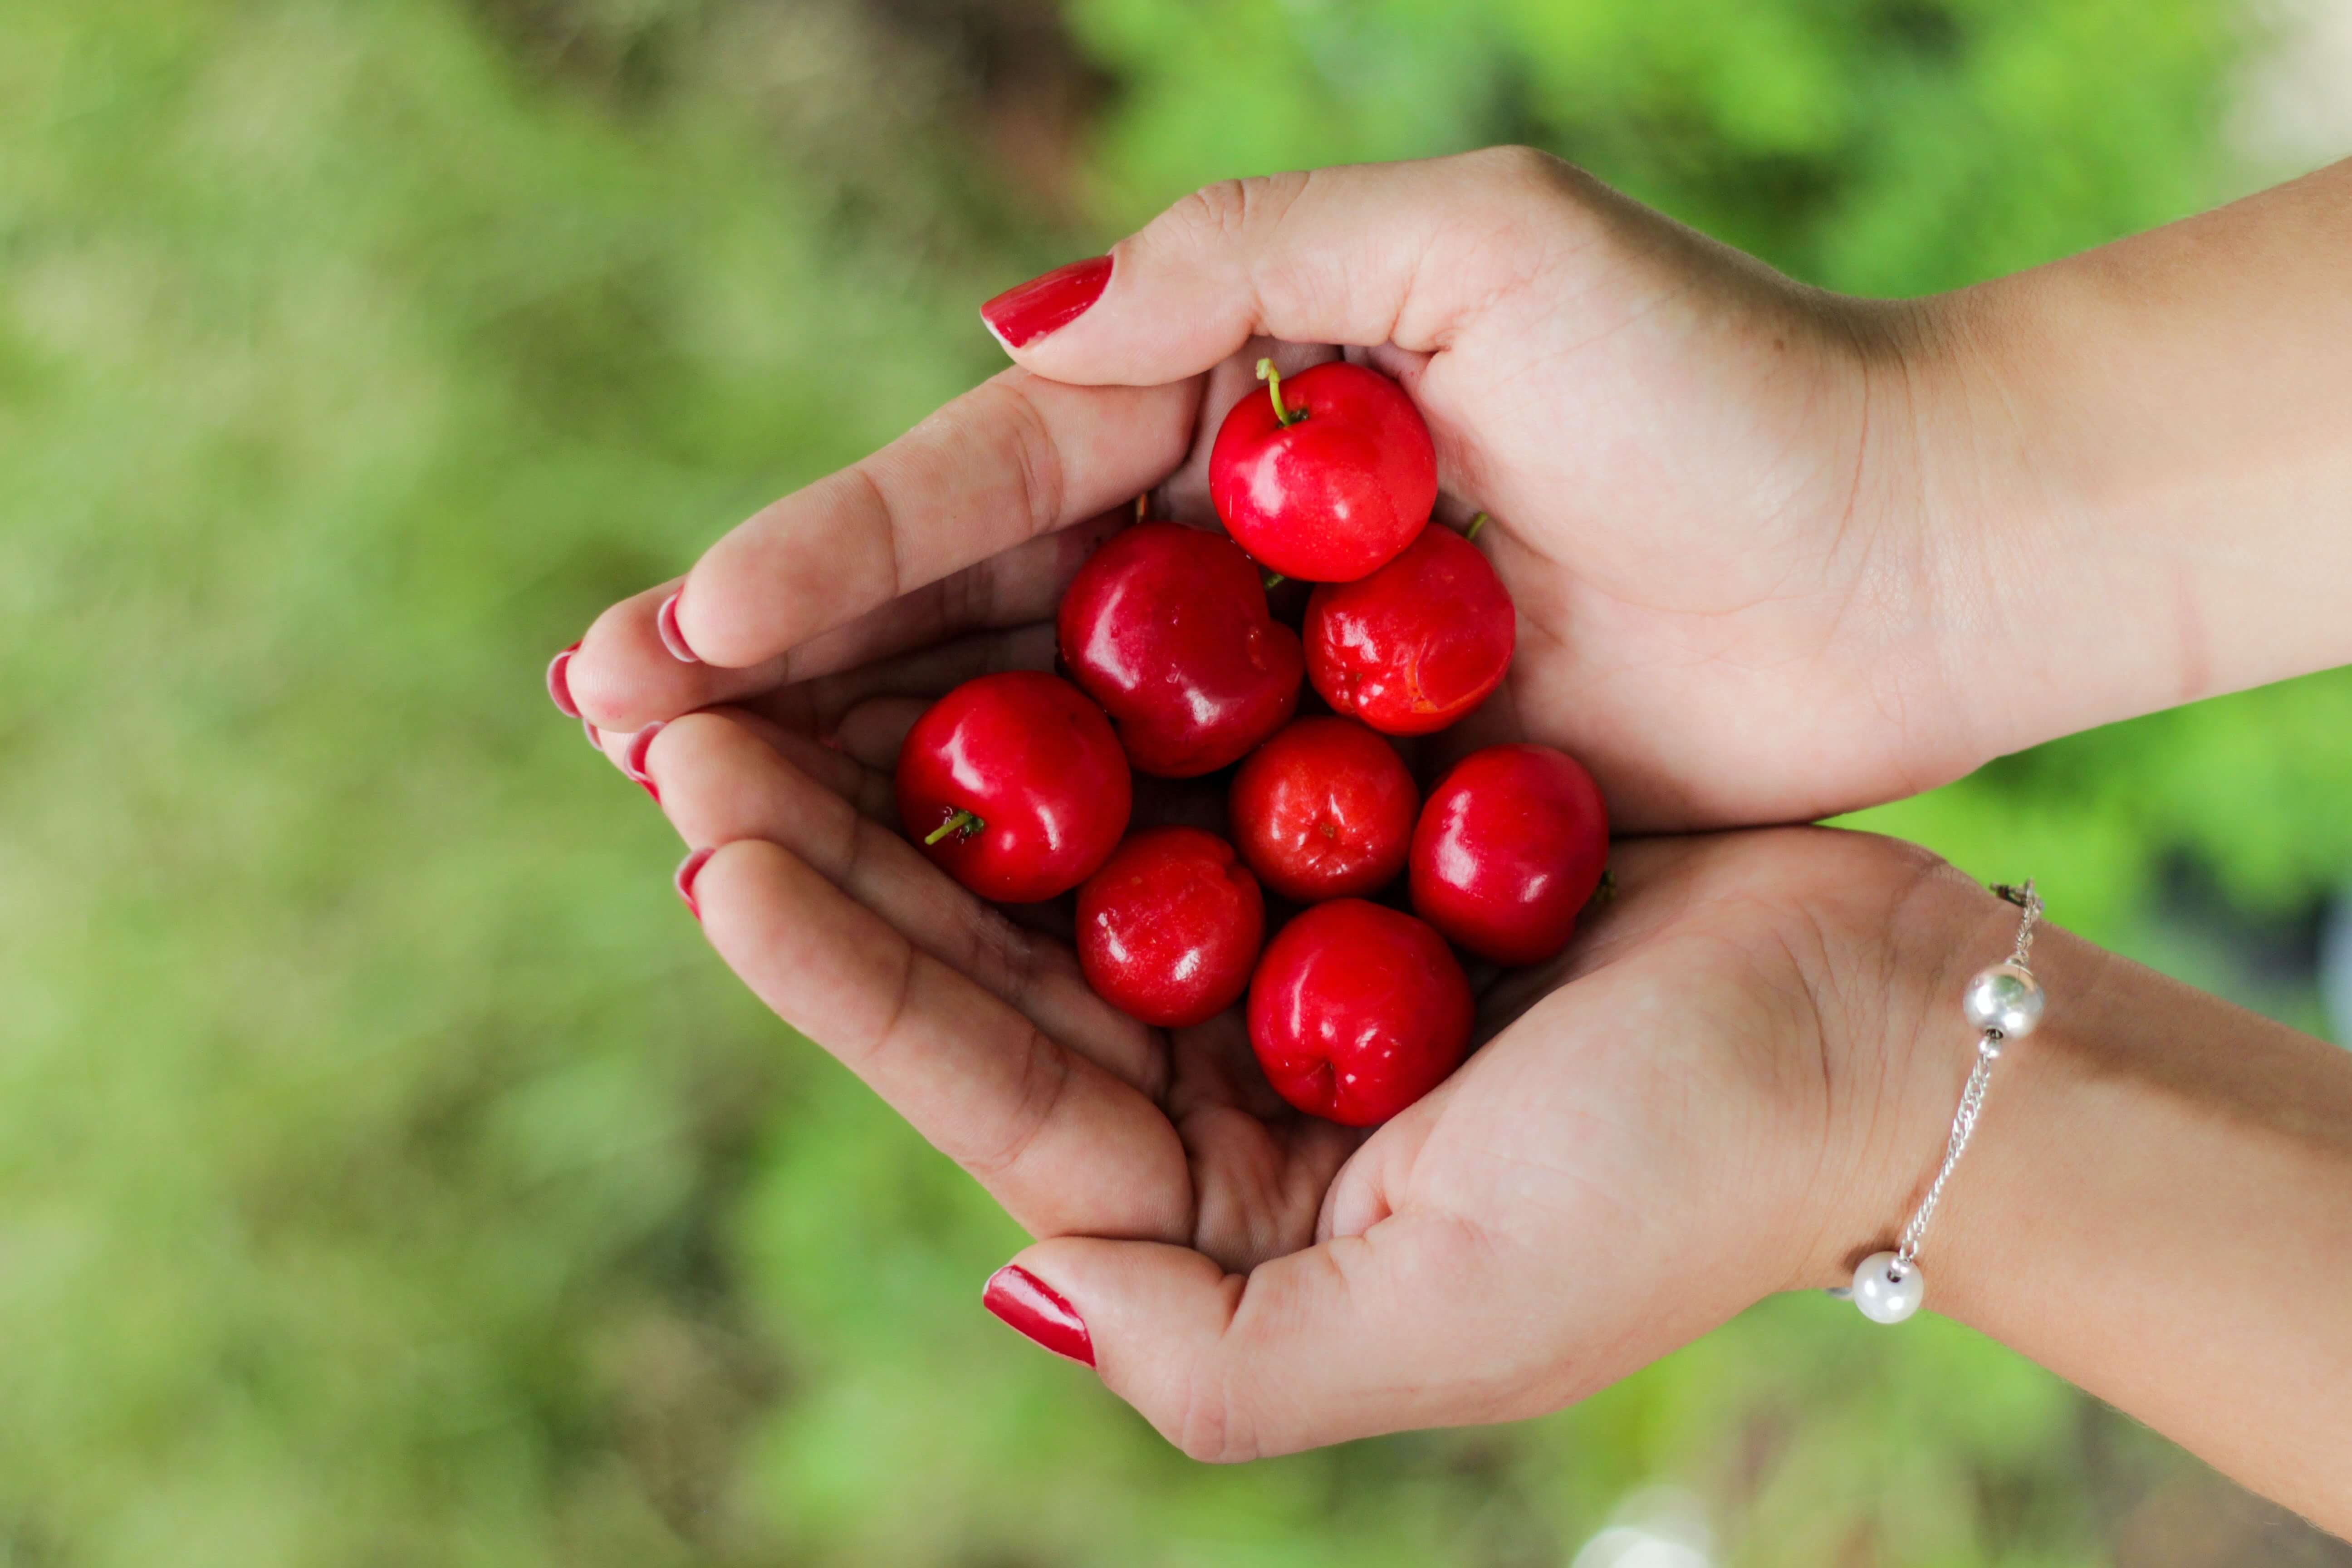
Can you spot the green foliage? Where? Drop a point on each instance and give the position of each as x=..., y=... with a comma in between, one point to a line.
x=391, y=1174
x=1891, y=146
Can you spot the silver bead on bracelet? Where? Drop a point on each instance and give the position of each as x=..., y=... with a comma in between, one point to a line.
x=2003, y=1002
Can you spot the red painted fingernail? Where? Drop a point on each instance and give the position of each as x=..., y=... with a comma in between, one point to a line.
x=1027, y=1303
x=1019, y=317
x=687, y=870
x=666, y=622
x=558, y=682
x=633, y=761
x=595, y=736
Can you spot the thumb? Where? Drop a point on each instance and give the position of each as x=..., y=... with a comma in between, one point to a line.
x=1373, y=254
x=1360, y=1335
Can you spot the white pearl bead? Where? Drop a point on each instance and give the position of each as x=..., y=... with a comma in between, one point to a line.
x=1884, y=1299
x=2003, y=997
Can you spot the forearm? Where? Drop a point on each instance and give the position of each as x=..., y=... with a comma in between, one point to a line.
x=2157, y=1206
x=2141, y=480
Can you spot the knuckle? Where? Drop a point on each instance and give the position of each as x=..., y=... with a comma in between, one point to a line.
x=1517, y=166
x=1037, y=474
x=997, y=952
x=1045, y=1078
x=1214, y=212
x=1205, y=1428
x=1230, y=209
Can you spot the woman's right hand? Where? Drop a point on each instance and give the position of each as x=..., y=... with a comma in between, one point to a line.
x=1698, y=472
x=1738, y=1079
x=1697, y=1104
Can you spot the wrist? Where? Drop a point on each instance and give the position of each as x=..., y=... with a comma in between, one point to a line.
x=1901, y=1055
x=1939, y=486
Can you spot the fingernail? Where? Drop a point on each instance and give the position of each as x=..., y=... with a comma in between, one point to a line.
x=687, y=870
x=1019, y=317
x=558, y=682
x=666, y=622
x=1027, y=1303
x=633, y=761
x=595, y=738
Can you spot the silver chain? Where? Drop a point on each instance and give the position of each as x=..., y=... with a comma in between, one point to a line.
x=1972, y=1098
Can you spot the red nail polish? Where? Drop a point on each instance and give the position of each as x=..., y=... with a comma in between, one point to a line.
x=558, y=682
x=633, y=761
x=1019, y=317
x=1027, y=1303
x=665, y=623
x=687, y=870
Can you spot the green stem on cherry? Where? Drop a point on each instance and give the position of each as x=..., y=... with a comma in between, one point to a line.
x=963, y=823
x=1273, y=379
x=1470, y=532
x=1273, y=580
x=1607, y=890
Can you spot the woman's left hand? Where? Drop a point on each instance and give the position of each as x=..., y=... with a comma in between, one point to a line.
x=1685, y=1111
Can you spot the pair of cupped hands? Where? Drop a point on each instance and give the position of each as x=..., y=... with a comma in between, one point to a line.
x=1705, y=485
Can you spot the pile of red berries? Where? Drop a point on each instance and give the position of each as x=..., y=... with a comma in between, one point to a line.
x=1019, y=785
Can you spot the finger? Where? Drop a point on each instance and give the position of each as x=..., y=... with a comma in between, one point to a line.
x=874, y=731
x=1388, y=253
x=815, y=707
x=1015, y=458
x=828, y=766
x=622, y=676
x=1406, y=1325
x=720, y=782
x=1060, y=1142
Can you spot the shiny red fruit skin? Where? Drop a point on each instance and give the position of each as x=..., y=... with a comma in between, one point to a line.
x=1335, y=495
x=1418, y=644
x=1324, y=810
x=1509, y=851
x=1357, y=1011
x=1167, y=628
x=1028, y=754
x=1169, y=928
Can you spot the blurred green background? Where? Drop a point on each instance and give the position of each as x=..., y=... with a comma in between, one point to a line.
x=389, y=1174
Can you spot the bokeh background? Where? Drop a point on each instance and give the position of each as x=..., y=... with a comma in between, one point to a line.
x=388, y=1173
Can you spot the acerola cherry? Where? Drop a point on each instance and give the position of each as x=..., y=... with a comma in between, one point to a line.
x=1015, y=786
x=1326, y=476
x=1169, y=928
x=1509, y=851
x=1324, y=810
x=1167, y=628
x=1416, y=644
x=1357, y=1011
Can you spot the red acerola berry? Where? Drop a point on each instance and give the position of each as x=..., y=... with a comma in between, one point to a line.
x=1015, y=786
x=1416, y=644
x=1509, y=851
x=1167, y=628
x=1324, y=810
x=1357, y=1011
x=1170, y=927
x=1327, y=475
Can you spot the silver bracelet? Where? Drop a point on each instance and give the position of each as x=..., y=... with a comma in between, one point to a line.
x=2002, y=1002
